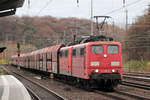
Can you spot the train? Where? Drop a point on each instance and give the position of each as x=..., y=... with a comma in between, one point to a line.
x=90, y=64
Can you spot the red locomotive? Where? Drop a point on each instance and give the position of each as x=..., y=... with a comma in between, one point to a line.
x=90, y=64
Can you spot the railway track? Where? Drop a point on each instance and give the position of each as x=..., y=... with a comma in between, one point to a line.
x=137, y=85
x=120, y=95
x=116, y=95
x=136, y=81
x=33, y=95
x=142, y=73
x=36, y=90
x=138, y=74
x=137, y=78
x=42, y=92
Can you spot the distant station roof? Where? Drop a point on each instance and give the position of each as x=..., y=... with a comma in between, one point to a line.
x=2, y=49
x=8, y=7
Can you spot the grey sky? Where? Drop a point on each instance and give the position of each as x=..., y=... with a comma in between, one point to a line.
x=68, y=8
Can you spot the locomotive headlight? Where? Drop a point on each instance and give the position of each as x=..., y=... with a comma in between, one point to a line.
x=115, y=63
x=113, y=70
x=96, y=70
x=105, y=55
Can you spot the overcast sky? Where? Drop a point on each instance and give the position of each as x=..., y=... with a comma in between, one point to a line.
x=68, y=8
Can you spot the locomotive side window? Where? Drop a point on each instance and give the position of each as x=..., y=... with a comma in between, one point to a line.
x=78, y=52
x=74, y=52
x=97, y=49
x=64, y=53
x=112, y=49
x=82, y=52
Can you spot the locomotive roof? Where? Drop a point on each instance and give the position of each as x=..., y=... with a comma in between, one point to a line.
x=90, y=38
x=104, y=42
x=92, y=43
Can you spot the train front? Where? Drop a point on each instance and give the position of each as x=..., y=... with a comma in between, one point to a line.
x=104, y=60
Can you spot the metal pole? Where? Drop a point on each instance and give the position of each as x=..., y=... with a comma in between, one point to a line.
x=92, y=17
x=126, y=28
x=64, y=37
x=6, y=52
x=126, y=12
x=126, y=20
x=24, y=44
x=113, y=27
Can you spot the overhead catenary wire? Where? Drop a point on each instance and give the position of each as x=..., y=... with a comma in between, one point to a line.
x=116, y=14
x=47, y=3
x=118, y=9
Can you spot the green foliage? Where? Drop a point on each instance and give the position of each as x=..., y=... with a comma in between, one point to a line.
x=137, y=40
x=29, y=28
x=135, y=65
x=3, y=62
x=2, y=72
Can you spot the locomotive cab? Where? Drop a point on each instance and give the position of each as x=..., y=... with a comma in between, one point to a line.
x=105, y=62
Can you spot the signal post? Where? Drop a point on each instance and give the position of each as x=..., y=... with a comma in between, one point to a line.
x=18, y=54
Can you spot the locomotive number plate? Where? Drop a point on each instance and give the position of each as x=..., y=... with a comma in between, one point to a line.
x=105, y=71
x=94, y=64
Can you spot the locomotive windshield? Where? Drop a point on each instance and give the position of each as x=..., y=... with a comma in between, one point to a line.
x=97, y=49
x=112, y=49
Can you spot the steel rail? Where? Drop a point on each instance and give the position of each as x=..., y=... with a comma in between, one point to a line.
x=137, y=85
x=137, y=78
x=110, y=95
x=132, y=95
x=138, y=74
x=38, y=84
x=119, y=93
x=43, y=87
x=33, y=94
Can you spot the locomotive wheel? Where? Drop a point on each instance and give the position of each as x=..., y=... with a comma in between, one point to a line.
x=86, y=85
